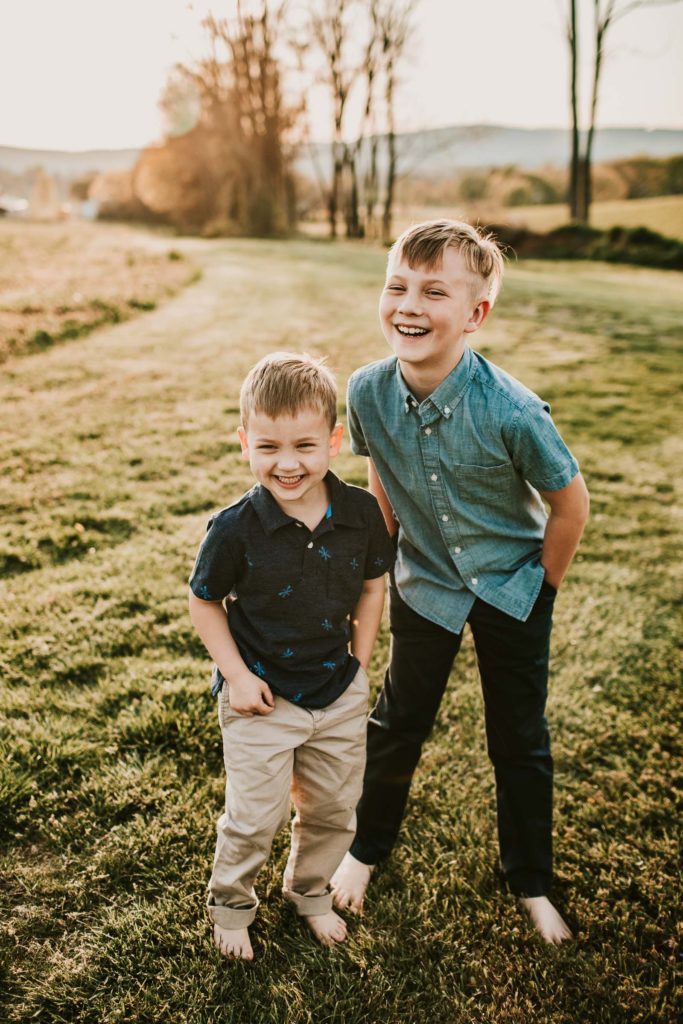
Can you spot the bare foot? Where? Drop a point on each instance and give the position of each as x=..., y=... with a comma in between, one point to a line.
x=233, y=942
x=349, y=883
x=546, y=919
x=329, y=928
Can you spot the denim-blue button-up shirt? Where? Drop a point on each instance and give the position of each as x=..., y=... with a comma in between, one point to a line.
x=462, y=470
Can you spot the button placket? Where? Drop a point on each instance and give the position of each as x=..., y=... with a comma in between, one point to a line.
x=446, y=520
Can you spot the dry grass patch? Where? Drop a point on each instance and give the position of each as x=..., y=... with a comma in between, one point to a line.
x=60, y=281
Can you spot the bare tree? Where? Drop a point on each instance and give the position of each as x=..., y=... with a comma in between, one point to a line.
x=605, y=14
x=330, y=31
x=230, y=172
x=373, y=58
x=573, y=40
x=394, y=22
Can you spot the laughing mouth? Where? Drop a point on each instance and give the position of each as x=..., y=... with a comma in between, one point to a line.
x=289, y=481
x=411, y=332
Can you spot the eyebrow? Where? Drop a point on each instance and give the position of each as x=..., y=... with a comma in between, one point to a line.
x=430, y=280
x=278, y=440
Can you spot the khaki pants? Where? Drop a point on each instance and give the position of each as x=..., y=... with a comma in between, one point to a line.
x=317, y=757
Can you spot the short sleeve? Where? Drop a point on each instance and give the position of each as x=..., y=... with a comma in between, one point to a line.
x=381, y=552
x=537, y=450
x=215, y=569
x=356, y=435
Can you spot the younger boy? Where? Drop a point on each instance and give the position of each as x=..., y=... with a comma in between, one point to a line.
x=302, y=557
x=459, y=452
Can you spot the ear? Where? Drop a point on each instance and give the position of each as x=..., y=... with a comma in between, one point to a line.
x=242, y=434
x=478, y=315
x=336, y=439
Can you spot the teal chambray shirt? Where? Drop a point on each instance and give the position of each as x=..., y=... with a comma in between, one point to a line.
x=462, y=470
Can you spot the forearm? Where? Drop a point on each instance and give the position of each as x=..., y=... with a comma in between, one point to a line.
x=211, y=622
x=376, y=489
x=568, y=517
x=365, y=620
x=561, y=540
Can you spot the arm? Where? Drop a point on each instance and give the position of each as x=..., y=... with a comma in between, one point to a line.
x=376, y=489
x=568, y=516
x=365, y=619
x=249, y=695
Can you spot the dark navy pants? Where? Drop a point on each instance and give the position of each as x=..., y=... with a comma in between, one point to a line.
x=513, y=665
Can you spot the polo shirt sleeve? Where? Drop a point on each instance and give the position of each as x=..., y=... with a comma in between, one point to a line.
x=381, y=552
x=537, y=451
x=215, y=569
x=356, y=435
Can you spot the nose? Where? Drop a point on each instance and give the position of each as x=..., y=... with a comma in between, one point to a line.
x=288, y=460
x=410, y=304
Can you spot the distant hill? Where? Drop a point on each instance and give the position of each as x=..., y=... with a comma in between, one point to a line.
x=442, y=151
x=65, y=164
x=435, y=153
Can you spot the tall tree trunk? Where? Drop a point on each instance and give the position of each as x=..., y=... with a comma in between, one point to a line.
x=387, y=214
x=601, y=24
x=574, y=165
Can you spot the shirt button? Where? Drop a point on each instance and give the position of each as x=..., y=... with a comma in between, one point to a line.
x=434, y=477
x=474, y=581
x=446, y=411
x=428, y=430
x=444, y=519
x=457, y=550
x=310, y=545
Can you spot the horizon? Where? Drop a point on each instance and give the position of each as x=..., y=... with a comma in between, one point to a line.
x=318, y=142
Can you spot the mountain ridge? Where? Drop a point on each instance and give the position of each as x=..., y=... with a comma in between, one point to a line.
x=435, y=152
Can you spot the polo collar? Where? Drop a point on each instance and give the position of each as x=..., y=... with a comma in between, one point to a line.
x=272, y=517
x=449, y=392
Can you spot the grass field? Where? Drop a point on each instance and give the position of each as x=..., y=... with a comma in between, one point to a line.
x=661, y=213
x=61, y=281
x=114, y=448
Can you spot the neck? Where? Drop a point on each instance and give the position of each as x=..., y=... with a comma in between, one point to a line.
x=310, y=509
x=423, y=381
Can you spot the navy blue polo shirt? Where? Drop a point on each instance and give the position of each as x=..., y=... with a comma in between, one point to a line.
x=293, y=589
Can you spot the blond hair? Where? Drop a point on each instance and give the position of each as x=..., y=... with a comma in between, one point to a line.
x=284, y=383
x=424, y=245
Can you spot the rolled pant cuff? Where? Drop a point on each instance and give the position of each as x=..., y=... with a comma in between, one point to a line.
x=367, y=853
x=231, y=917
x=309, y=906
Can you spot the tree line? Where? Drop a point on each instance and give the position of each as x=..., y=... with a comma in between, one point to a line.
x=238, y=116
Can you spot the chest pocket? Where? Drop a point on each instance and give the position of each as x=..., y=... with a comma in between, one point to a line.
x=490, y=486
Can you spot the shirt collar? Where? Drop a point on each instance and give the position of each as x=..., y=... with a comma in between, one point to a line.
x=449, y=392
x=272, y=517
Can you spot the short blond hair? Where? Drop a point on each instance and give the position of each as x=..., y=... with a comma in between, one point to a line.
x=424, y=245
x=285, y=383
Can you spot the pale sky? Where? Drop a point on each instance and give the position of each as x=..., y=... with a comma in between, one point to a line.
x=85, y=74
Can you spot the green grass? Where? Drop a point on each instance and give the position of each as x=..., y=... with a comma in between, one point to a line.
x=114, y=449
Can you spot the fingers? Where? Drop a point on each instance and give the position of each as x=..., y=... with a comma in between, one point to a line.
x=267, y=696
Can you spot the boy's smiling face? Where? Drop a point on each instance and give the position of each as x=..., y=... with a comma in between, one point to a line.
x=427, y=313
x=290, y=455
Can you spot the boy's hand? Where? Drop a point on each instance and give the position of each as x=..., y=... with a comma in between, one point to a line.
x=249, y=695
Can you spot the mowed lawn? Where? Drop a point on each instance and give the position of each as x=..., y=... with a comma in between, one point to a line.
x=114, y=450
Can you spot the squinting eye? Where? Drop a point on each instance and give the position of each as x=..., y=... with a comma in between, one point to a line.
x=394, y=288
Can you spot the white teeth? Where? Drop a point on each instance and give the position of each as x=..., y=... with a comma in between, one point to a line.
x=413, y=332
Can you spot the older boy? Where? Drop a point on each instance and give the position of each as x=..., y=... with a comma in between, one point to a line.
x=459, y=452
x=303, y=557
